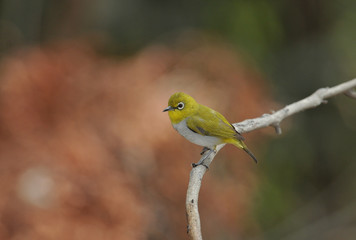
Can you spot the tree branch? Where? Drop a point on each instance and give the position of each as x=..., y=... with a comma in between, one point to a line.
x=274, y=120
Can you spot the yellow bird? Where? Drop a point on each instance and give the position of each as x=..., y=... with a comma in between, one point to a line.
x=202, y=125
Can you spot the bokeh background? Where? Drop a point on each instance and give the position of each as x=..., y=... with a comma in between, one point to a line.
x=86, y=152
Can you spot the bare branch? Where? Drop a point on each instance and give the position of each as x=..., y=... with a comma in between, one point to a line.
x=274, y=120
x=191, y=203
x=351, y=93
x=314, y=100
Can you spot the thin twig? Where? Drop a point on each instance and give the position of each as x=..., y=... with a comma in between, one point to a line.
x=274, y=119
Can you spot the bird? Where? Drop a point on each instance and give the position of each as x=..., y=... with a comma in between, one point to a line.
x=202, y=125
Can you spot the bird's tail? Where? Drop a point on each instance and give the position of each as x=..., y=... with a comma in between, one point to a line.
x=242, y=145
x=250, y=153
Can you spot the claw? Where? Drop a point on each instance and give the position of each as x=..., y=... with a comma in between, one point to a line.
x=197, y=164
x=201, y=162
x=204, y=150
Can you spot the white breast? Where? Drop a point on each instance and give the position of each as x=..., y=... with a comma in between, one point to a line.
x=206, y=141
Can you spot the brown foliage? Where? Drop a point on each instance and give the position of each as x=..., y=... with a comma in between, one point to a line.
x=86, y=152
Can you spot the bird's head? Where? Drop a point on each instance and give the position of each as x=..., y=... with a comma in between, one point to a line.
x=180, y=106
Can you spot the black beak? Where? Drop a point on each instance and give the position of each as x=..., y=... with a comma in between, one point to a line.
x=168, y=109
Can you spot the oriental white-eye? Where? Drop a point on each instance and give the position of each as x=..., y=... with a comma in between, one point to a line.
x=202, y=125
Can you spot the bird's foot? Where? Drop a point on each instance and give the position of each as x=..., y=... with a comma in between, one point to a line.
x=197, y=164
x=201, y=162
x=204, y=150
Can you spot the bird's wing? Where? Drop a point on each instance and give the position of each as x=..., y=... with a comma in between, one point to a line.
x=208, y=122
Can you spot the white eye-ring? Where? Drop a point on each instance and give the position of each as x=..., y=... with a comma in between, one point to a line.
x=180, y=105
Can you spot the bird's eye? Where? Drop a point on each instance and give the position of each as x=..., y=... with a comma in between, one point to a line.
x=180, y=106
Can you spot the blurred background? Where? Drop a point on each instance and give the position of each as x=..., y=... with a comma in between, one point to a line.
x=86, y=152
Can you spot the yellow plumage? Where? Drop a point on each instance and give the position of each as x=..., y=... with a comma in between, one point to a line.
x=201, y=124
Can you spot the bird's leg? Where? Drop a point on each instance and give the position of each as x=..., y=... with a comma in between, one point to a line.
x=197, y=164
x=204, y=150
x=201, y=161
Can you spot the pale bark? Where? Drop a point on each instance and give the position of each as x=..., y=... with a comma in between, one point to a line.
x=274, y=120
